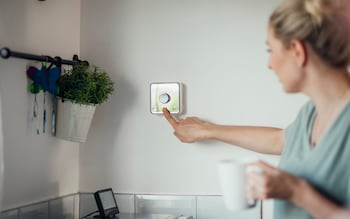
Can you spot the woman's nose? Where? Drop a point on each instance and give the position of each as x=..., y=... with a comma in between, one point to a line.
x=269, y=65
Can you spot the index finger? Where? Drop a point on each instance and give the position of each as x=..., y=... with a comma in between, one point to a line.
x=169, y=117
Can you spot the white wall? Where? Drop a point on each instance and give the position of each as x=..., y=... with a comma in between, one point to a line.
x=1, y=157
x=37, y=167
x=216, y=48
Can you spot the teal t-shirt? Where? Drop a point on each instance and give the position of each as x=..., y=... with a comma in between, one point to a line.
x=325, y=166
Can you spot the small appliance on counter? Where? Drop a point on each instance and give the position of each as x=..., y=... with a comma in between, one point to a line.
x=108, y=209
x=106, y=203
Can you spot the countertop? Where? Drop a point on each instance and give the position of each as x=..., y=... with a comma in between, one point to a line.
x=148, y=216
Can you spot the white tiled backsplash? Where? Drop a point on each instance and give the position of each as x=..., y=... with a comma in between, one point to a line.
x=174, y=205
x=12, y=214
x=59, y=208
x=78, y=205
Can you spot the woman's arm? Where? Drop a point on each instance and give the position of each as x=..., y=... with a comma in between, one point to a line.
x=275, y=183
x=260, y=139
x=318, y=206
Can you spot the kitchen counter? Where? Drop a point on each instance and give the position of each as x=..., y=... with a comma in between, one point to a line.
x=148, y=216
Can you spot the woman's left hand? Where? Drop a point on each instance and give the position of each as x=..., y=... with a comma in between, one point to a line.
x=271, y=182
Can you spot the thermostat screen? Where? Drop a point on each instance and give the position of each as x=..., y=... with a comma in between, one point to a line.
x=166, y=95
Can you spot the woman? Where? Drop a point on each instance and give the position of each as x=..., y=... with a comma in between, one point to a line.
x=313, y=178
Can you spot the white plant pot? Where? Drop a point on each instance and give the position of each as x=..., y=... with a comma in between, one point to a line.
x=73, y=120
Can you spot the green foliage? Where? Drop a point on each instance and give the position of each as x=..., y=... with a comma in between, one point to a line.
x=85, y=85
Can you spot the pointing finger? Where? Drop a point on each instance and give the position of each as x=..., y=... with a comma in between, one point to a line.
x=169, y=117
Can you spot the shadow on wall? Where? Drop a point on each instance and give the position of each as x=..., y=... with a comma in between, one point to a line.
x=100, y=155
x=27, y=177
x=111, y=116
x=8, y=29
x=105, y=128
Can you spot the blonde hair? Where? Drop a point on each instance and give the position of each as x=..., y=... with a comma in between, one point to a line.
x=310, y=21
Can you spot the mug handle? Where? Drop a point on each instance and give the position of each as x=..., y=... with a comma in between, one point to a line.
x=251, y=202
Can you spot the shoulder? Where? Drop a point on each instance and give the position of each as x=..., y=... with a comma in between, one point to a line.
x=307, y=109
x=302, y=122
x=305, y=113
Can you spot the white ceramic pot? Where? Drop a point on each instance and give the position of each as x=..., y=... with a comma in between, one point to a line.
x=73, y=120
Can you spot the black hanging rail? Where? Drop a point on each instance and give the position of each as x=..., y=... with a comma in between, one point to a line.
x=7, y=53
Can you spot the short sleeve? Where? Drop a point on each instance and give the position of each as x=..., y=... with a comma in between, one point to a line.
x=292, y=131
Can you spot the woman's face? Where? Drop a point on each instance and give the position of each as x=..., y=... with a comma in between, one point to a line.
x=283, y=63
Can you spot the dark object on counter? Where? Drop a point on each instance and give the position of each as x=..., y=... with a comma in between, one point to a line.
x=106, y=203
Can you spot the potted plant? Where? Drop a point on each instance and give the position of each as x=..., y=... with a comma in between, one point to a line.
x=81, y=88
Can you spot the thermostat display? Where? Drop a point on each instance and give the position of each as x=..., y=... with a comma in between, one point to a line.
x=164, y=98
x=167, y=95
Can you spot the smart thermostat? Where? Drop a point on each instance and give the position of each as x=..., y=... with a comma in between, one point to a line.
x=167, y=95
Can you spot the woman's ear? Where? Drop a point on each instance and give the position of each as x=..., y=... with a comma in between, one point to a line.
x=299, y=51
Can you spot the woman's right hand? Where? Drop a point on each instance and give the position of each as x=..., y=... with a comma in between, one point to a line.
x=188, y=130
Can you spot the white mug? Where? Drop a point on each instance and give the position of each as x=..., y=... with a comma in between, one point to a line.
x=233, y=179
